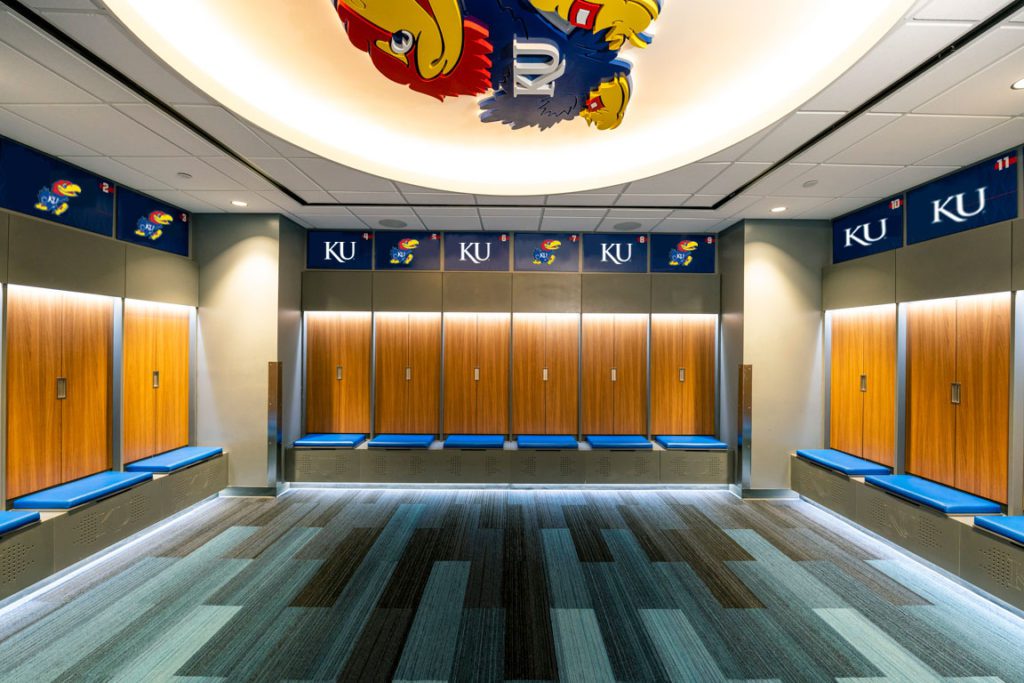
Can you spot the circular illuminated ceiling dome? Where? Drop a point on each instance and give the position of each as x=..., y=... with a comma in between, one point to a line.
x=359, y=91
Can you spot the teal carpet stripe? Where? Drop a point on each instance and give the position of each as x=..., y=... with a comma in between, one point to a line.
x=430, y=646
x=579, y=647
x=566, y=586
x=480, y=653
x=680, y=648
x=887, y=656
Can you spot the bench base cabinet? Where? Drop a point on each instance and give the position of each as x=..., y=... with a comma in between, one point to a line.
x=696, y=467
x=26, y=557
x=185, y=488
x=835, y=491
x=993, y=564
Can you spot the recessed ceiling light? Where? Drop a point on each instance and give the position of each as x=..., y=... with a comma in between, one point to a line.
x=184, y=176
x=1019, y=85
x=392, y=223
x=627, y=226
x=810, y=183
x=778, y=209
x=239, y=203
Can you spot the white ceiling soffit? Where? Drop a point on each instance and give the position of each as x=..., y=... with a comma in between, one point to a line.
x=950, y=115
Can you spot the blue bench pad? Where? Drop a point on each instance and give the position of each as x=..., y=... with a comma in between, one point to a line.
x=625, y=442
x=942, y=498
x=67, y=496
x=402, y=441
x=1010, y=527
x=845, y=463
x=691, y=443
x=494, y=441
x=330, y=441
x=11, y=520
x=547, y=442
x=175, y=460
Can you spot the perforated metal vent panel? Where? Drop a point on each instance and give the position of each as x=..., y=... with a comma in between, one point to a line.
x=88, y=527
x=15, y=560
x=138, y=509
x=998, y=565
x=455, y=465
x=528, y=465
x=492, y=465
x=928, y=534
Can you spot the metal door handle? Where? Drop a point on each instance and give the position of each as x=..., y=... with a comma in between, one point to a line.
x=545, y=374
x=337, y=373
x=615, y=374
x=476, y=374
x=62, y=388
x=864, y=383
x=682, y=374
x=955, y=398
x=156, y=379
x=408, y=374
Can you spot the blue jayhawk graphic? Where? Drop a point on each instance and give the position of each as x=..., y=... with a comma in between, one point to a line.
x=545, y=255
x=55, y=198
x=682, y=254
x=402, y=254
x=152, y=226
x=541, y=61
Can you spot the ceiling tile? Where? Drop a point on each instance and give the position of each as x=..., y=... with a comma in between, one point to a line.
x=373, y=220
x=447, y=211
x=228, y=129
x=24, y=131
x=834, y=208
x=161, y=124
x=777, y=178
x=762, y=208
x=24, y=81
x=582, y=199
x=118, y=172
x=239, y=173
x=436, y=198
x=791, y=132
x=452, y=223
x=733, y=177
x=186, y=201
x=975, y=10
x=510, y=211
x=682, y=181
x=570, y=223
x=646, y=218
x=903, y=49
x=100, y=127
x=285, y=172
x=368, y=198
x=834, y=180
x=914, y=137
x=500, y=200
x=853, y=132
x=992, y=141
x=986, y=92
x=687, y=225
x=512, y=222
x=902, y=180
x=342, y=220
x=646, y=200
x=222, y=199
x=400, y=212
x=332, y=176
x=735, y=151
x=166, y=169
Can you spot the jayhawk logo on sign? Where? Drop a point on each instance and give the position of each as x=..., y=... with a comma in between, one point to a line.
x=682, y=253
x=152, y=226
x=54, y=199
x=541, y=61
x=402, y=253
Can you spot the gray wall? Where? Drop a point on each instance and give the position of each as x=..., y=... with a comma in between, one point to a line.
x=289, y=339
x=730, y=263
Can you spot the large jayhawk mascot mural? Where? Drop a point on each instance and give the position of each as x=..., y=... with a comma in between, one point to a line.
x=541, y=61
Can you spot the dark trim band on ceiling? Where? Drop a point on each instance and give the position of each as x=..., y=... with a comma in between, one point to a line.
x=88, y=55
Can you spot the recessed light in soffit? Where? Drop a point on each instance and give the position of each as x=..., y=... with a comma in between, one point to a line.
x=291, y=69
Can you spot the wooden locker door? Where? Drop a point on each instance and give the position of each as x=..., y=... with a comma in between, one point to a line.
x=598, y=361
x=172, y=362
x=846, y=416
x=352, y=393
x=460, y=359
x=322, y=360
x=424, y=402
x=667, y=357
x=982, y=418
x=529, y=414
x=562, y=359
x=88, y=323
x=33, y=411
x=697, y=415
x=931, y=371
x=492, y=388
x=880, y=398
x=140, y=400
x=630, y=387
x=392, y=359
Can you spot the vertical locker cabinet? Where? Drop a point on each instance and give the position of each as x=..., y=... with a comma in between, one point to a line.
x=59, y=351
x=862, y=419
x=408, y=373
x=156, y=378
x=338, y=373
x=958, y=393
x=683, y=374
x=476, y=373
x=614, y=374
x=545, y=373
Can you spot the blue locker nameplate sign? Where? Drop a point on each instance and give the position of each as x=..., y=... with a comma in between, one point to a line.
x=972, y=198
x=43, y=187
x=547, y=252
x=152, y=223
x=339, y=250
x=682, y=253
x=871, y=230
x=476, y=251
x=397, y=250
x=614, y=253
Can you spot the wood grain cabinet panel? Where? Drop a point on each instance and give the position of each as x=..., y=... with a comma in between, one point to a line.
x=983, y=414
x=492, y=386
x=683, y=374
x=88, y=349
x=545, y=373
x=173, y=385
x=598, y=359
x=425, y=360
x=392, y=358
x=879, y=440
x=460, y=360
x=630, y=386
x=408, y=373
x=338, y=372
x=846, y=417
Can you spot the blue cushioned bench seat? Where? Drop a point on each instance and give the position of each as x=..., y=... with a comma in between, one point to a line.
x=330, y=441
x=942, y=498
x=547, y=442
x=493, y=441
x=844, y=463
x=73, y=494
x=1008, y=527
x=625, y=442
x=175, y=460
x=402, y=441
x=691, y=443
x=12, y=520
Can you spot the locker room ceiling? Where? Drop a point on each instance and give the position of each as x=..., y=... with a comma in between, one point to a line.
x=932, y=95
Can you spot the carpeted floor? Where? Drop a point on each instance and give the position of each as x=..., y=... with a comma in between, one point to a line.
x=509, y=585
